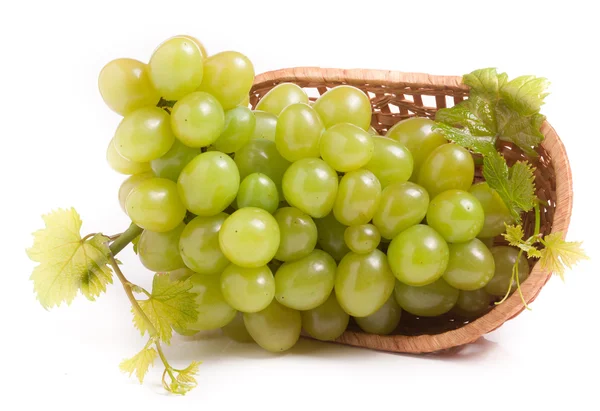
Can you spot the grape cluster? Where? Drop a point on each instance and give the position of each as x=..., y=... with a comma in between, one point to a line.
x=297, y=215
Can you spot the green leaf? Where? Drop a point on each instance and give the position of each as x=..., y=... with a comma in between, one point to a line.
x=67, y=263
x=474, y=115
x=514, y=235
x=485, y=82
x=522, y=131
x=514, y=185
x=477, y=144
x=171, y=304
x=139, y=363
x=185, y=380
x=558, y=254
x=503, y=109
x=525, y=94
x=521, y=185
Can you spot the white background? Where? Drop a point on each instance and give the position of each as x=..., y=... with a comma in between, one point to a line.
x=54, y=130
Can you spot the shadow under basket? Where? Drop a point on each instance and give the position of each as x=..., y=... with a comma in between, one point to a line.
x=396, y=96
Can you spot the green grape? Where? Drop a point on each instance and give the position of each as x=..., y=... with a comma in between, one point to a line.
x=417, y=135
x=144, y=134
x=429, y=300
x=327, y=321
x=363, y=283
x=129, y=184
x=155, y=205
x=305, y=283
x=280, y=97
x=358, y=197
x=456, y=215
x=197, y=43
x=170, y=165
x=362, y=238
x=298, y=132
x=448, y=167
x=125, y=86
x=383, y=321
x=276, y=328
x=209, y=183
x=472, y=303
x=495, y=211
x=185, y=332
x=258, y=190
x=213, y=310
x=418, y=255
x=159, y=252
x=239, y=126
x=346, y=147
x=298, y=234
x=401, y=206
x=266, y=125
x=248, y=289
x=245, y=102
x=504, y=259
x=372, y=131
x=391, y=161
x=470, y=266
x=199, y=245
x=344, y=104
x=197, y=119
x=228, y=76
x=261, y=156
x=122, y=165
x=311, y=185
x=330, y=236
x=249, y=237
x=176, y=68
x=236, y=330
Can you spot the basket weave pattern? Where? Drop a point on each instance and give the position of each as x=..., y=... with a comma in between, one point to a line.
x=396, y=96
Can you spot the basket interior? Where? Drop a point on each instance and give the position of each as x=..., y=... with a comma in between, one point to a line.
x=392, y=103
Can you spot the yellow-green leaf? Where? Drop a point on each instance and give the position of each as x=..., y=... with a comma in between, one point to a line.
x=525, y=94
x=171, y=304
x=139, y=363
x=185, y=380
x=514, y=235
x=68, y=263
x=558, y=254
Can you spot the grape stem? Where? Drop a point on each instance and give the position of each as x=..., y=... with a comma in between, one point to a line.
x=125, y=238
x=132, y=232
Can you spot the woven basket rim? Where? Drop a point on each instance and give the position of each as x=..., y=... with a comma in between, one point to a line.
x=537, y=278
x=361, y=76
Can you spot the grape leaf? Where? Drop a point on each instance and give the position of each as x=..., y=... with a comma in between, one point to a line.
x=515, y=184
x=185, y=380
x=559, y=254
x=508, y=110
x=474, y=115
x=514, y=235
x=486, y=82
x=139, y=363
x=477, y=144
x=522, y=131
x=68, y=264
x=171, y=304
x=525, y=94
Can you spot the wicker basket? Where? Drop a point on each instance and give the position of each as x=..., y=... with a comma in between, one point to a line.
x=396, y=96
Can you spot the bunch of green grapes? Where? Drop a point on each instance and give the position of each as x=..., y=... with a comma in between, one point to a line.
x=297, y=215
